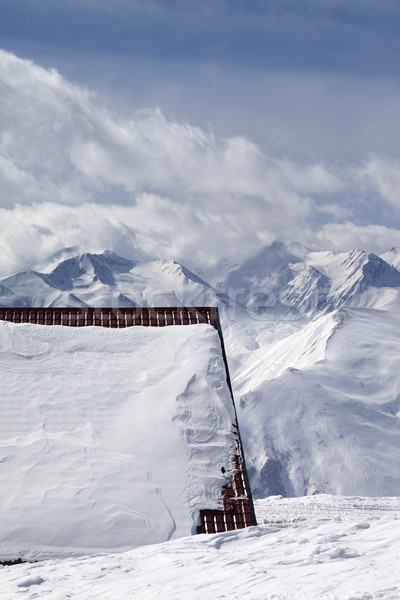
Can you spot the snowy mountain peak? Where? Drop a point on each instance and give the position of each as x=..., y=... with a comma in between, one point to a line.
x=293, y=281
x=277, y=256
x=107, y=279
x=281, y=279
x=83, y=270
x=392, y=257
x=379, y=273
x=307, y=291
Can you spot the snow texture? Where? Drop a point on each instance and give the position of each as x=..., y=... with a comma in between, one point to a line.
x=110, y=439
x=319, y=410
x=328, y=547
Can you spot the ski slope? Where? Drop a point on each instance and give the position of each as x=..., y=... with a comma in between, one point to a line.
x=109, y=438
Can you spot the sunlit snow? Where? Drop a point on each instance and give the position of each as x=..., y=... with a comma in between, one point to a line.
x=314, y=548
x=110, y=439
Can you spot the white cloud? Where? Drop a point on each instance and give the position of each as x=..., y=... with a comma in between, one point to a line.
x=346, y=236
x=382, y=176
x=76, y=174
x=29, y=234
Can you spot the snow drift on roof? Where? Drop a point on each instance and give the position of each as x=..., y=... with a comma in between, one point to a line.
x=110, y=439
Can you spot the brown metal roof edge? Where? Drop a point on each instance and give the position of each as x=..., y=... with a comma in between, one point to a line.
x=111, y=316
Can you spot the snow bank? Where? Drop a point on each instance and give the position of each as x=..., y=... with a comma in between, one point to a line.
x=310, y=548
x=110, y=438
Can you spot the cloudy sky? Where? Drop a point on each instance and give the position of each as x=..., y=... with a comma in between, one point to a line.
x=197, y=130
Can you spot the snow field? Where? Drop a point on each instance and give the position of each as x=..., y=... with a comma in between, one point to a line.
x=110, y=439
x=330, y=547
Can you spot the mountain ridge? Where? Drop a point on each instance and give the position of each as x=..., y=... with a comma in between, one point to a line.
x=280, y=278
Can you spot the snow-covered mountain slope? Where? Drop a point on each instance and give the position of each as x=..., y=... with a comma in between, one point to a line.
x=357, y=279
x=320, y=547
x=392, y=257
x=288, y=281
x=281, y=281
x=109, y=439
x=108, y=280
x=320, y=410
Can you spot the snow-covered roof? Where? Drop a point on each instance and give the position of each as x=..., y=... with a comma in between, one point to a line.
x=115, y=436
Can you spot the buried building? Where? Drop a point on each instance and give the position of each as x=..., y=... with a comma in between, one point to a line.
x=118, y=429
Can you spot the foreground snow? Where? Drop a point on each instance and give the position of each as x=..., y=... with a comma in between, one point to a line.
x=329, y=547
x=109, y=438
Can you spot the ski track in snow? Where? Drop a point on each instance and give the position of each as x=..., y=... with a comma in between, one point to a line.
x=311, y=548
